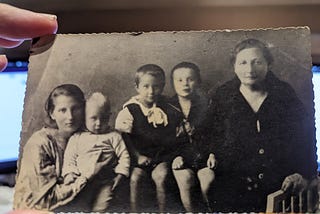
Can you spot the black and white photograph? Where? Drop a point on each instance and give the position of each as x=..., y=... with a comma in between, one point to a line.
x=185, y=121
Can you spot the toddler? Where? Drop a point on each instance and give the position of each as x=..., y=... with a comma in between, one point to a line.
x=149, y=136
x=194, y=162
x=97, y=146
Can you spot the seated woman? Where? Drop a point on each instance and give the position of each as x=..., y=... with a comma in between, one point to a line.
x=39, y=182
x=263, y=137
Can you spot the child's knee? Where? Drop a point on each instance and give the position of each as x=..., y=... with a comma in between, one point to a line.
x=186, y=179
x=206, y=173
x=136, y=176
x=206, y=176
x=160, y=174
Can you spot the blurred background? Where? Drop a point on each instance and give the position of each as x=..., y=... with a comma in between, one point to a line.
x=97, y=16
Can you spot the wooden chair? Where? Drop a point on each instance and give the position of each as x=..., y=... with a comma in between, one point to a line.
x=304, y=201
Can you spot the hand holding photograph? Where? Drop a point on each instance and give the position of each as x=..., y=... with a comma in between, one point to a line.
x=208, y=121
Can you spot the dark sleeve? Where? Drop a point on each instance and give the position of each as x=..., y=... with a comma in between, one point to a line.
x=301, y=130
x=212, y=129
x=129, y=144
x=172, y=143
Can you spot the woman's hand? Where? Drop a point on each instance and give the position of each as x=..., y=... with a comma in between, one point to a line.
x=295, y=182
x=178, y=163
x=18, y=25
x=117, y=180
x=144, y=160
x=211, y=162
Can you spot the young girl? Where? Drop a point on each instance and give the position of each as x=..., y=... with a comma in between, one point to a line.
x=194, y=162
x=149, y=136
x=97, y=146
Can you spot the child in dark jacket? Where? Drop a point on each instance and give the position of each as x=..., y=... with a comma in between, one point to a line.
x=194, y=161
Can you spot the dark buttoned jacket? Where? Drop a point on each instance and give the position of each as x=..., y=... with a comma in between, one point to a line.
x=257, y=150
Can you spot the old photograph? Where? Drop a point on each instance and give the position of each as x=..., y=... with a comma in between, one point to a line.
x=199, y=121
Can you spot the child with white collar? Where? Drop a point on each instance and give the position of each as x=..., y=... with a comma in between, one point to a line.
x=149, y=135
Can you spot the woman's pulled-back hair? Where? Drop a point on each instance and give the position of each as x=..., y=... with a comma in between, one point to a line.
x=66, y=90
x=252, y=43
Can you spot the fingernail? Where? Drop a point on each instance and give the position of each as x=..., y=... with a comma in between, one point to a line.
x=50, y=16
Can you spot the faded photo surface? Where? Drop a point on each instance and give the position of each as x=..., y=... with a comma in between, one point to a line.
x=209, y=121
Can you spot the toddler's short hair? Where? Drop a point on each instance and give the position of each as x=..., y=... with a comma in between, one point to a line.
x=151, y=69
x=189, y=65
x=100, y=100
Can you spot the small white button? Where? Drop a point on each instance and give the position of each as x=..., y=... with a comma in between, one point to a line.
x=260, y=176
x=261, y=151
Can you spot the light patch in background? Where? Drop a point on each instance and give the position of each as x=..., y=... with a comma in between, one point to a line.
x=12, y=89
x=316, y=89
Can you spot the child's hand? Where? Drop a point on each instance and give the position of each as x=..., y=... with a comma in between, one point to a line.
x=144, y=160
x=178, y=163
x=70, y=178
x=116, y=181
x=211, y=162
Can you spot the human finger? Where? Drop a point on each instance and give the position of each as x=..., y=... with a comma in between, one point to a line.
x=173, y=166
x=176, y=165
x=286, y=185
x=115, y=184
x=179, y=164
x=10, y=43
x=213, y=164
x=3, y=62
x=19, y=24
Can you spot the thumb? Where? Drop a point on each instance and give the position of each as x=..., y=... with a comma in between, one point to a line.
x=3, y=62
x=115, y=184
x=20, y=24
x=286, y=186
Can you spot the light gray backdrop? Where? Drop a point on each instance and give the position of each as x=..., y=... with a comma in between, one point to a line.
x=107, y=63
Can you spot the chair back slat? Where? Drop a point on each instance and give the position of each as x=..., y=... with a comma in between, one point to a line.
x=285, y=202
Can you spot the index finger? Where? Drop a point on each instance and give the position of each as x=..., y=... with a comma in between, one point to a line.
x=20, y=24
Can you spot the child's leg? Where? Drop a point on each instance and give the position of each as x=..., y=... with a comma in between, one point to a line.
x=186, y=182
x=159, y=176
x=103, y=197
x=137, y=178
x=206, y=177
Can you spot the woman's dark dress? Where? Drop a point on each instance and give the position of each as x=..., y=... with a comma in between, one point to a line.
x=256, y=151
